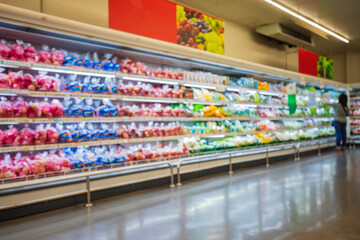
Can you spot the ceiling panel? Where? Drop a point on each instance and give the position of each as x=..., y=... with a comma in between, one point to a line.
x=340, y=16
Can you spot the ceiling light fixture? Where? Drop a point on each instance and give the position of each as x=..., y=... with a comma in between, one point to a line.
x=306, y=20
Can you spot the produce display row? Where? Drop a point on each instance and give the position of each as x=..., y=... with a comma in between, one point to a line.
x=84, y=132
x=18, y=165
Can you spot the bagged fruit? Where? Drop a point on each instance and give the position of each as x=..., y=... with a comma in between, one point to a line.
x=16, y=79
x=30, y=53
x=7, y=169
x=34, y=110
x=29, y=82
x=27, y=136
x=4, y=50
x=20, y=108
x=4, y=80
x=6, y=108
x=57, y=57
x=52, y=135
x=17, y=51
x=40, y=136
x=44, y=55
x=56, y=108
x=11, y=136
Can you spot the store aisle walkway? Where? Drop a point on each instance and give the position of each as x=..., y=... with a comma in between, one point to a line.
x=318, y=198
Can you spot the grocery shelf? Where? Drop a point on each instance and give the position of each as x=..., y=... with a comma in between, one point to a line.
x=6, y=121
x=203, y=156
x=131, y=77
x=137, y=140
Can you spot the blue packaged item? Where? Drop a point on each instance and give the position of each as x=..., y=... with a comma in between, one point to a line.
x=96, y=65
x=88, y=63
x=108, y=66
x=65, y=136
x=74, y=111
x=85, y=135
x=79, y=63
x=87, y=88
x=74, y=87
x=89, y=111
x=69, y=61
x=76, y=135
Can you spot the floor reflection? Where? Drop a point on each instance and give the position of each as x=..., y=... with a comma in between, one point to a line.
x=314, y=199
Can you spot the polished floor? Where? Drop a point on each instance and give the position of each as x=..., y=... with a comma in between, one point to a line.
x=315, y=199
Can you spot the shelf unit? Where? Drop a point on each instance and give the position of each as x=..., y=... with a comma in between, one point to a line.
x=212, y=63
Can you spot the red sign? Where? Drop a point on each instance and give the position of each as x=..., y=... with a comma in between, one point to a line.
x=149, y=18
x=315, y=64
x=168, y=21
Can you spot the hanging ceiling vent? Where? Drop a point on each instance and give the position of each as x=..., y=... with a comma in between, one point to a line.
x=285, y=34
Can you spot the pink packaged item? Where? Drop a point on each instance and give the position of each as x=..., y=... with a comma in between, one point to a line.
x=12, y=137
x=56, y=108
x=40, y=136
x=27, y=136
x=17, y=51
x=2, y=138
x=6, y=108
x=22, y=165
x=20, y=108
x=30, y=53
x=7, y=169
x=16, y=79
x=34, y=110
x=44, y=55
x=4, y=81
x=38, y=165
x=52, y=135
x=29, y=82
x=4, y=50
x=57, y=57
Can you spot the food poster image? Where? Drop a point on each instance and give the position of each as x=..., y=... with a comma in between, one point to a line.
x=325, y=67
x=198, y=30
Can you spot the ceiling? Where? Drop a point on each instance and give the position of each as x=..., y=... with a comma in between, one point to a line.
x=340, y=16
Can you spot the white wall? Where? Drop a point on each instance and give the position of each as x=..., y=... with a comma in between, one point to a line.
x=246, y=44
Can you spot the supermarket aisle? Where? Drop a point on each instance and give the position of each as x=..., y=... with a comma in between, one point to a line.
x=314, y=199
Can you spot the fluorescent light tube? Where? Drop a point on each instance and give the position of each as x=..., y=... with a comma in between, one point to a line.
x=307, y=20
x=73, y=72
x=199, y=86
x=150, y=80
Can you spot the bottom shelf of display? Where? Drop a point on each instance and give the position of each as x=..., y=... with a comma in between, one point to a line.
x=99, y=182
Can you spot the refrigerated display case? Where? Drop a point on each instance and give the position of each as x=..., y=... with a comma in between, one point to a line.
x=84, y=109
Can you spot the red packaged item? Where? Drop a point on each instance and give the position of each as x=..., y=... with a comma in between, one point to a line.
x=12, y=137
x=2, y=138
x=52, y=135
x=29, y=82
x=38, y=165
x=34, y=110
x=44, y=55
x=27, y=136
x=20, y=108
x=57, y=57
x=22, y=165
x=4, y=50
x=30, y=53
x=45, y=109
x=7, y=169
x=6, y=108
x=56, y=108
x=4, y=81
x=16, y=79
x=40, y=135
x=17, y=51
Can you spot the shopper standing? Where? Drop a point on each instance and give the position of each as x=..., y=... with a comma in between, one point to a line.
x=341, y=111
